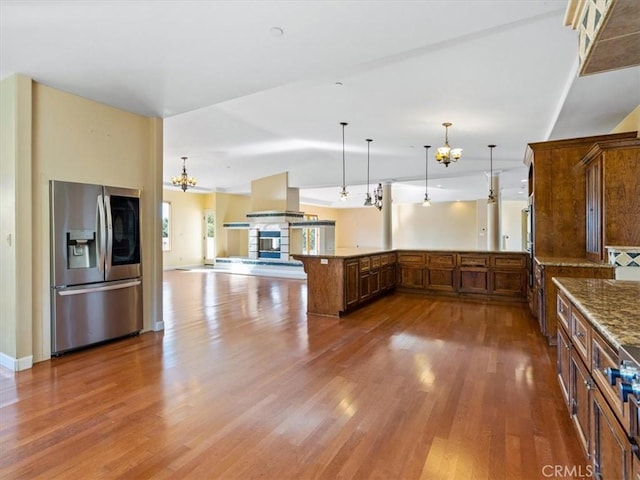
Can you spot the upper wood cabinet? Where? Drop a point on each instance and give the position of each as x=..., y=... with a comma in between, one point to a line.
x=612, y=196
x=557, y=189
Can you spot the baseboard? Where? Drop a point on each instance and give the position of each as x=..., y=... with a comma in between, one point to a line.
x=158, y=326
x=16, y=364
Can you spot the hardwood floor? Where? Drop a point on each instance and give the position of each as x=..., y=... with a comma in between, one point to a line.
x=242, y=385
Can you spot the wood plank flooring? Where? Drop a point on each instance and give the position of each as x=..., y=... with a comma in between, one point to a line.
x=242, y=385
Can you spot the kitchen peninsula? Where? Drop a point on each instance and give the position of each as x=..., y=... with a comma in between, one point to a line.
x=342, y=281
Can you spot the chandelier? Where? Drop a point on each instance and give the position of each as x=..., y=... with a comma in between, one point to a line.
x=427, y=201
x=367, y=198
x=343, y=193
x=184, y=181
x=446, y=154
x=492, y=196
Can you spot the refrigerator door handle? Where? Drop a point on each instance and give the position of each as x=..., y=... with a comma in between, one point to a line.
x=101, y=232
x=107, y=203
x=82, y=291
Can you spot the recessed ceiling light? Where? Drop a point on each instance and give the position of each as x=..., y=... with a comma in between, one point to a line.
x=523, y=180
x=439, y=186
x=276, y=31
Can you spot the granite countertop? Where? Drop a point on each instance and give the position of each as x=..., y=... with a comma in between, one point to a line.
x=570, y=262
x=345, y=253
x=356, y=252
x=612, y=306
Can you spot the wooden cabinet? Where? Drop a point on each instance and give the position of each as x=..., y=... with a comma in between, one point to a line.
x=491, y=275
x=594, y=406
x=580, y=395
x=557, y=186
x=411, y=269
x=545, y=270
x=364, y=277
x=612, y=195
x=508, y=275
x=564, y=365
x=585, y=195
x=473, y=273
x=336, y=285
x=387, y=271
x=352, y=283
x=611, y=452
x=441, y=271
x=635, y=468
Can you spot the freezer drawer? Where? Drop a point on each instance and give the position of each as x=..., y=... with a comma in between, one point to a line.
x=89, y=314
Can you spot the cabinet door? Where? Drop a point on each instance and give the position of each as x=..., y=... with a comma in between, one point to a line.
x=580, y=400
x=474, y=280
x=351, y=282
x=365, y=286
x=611, y=451
x=564, y=365
x=594, y=210
x=374, y=281
x=542, y=322
x=636, y=468
x=509, y=282
x=412, y=277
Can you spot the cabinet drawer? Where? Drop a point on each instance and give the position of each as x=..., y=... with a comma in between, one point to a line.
x=602, y=358
x=513, y=261
x=581, y=335
x=411, y=258
x=442, y=260
x=384, y=260
x=392, y=258
x=473, y=260
x=365, y=264
x=375, y=262
x=564, y=311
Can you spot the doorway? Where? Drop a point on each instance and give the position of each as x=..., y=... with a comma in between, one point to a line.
x=209, y=238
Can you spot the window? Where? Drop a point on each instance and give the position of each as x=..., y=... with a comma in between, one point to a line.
x=166, y=226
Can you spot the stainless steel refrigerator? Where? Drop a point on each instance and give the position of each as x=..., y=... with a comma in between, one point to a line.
x=96, y=268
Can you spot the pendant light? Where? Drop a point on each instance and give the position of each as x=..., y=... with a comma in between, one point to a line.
x=492, y=197
x=367, y=199
x=427, y=201
x=343, y=193
x=183, y=180
x=446, y=154
x=377, y=197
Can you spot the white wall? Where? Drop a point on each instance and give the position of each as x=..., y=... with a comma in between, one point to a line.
x=511, y=218
x=447, y=225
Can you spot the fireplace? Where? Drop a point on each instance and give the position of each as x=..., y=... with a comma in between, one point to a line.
x=269, y=244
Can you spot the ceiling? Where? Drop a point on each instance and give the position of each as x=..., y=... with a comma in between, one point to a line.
x=243, y=102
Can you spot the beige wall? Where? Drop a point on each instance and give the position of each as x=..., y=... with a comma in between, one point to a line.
x=186, y=229
x=231, y=208
x=16, y=238
x=444, y=225
x=269, y=193
x=75, y=139
x=631, y=123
